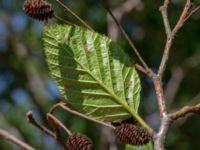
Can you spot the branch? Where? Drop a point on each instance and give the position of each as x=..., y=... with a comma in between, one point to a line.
x=66, y=107
x=182, y=17
x=119, y=12
x=113, y=29
x=192, y=12
x=63, y=20
x=159, y=138
x=164, y=13
x=38, y=125
x=193, y=101
x=57, y=122
x=141, y=69
x=128, y=39
x=55, y=134
x=159, y=94
x=15, y=140
x=171, y=34
x=185, y=111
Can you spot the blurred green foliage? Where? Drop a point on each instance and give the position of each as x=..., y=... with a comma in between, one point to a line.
x=25, y=83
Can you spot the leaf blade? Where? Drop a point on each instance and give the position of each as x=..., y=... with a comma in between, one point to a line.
x=91, y=70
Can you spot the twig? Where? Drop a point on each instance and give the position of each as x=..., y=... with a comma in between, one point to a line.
x=171, y=34
x=182, y=17
x=119, y=12
x=63, y=20
x=55, y=135
x=58, y=123
x=140, y=68
x=128, y=39
x=74, y=15
x=164, y=13
x=15, y=140
x=67, y=108
x=192, y=12
x=38, y=125
x=185, y=111
x=193, y=101
x=55, y=123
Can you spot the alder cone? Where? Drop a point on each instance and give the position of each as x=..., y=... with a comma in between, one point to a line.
x=78, y=141
x=132, y=134
x=38, y=9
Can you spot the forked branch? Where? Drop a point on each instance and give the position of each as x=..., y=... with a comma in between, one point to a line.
x=192, y=12
x=55, y=125
x=159, y=138
x=171, y=34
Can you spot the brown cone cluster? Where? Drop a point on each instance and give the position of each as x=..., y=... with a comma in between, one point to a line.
x=77, y=141
x=132, y=134
x=38, y=9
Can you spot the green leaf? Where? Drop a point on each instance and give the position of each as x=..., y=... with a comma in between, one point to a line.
x=149, y=146
x=93, y=73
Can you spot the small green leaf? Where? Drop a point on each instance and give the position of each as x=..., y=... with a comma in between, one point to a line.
x=149, y=146
x=93, y=73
